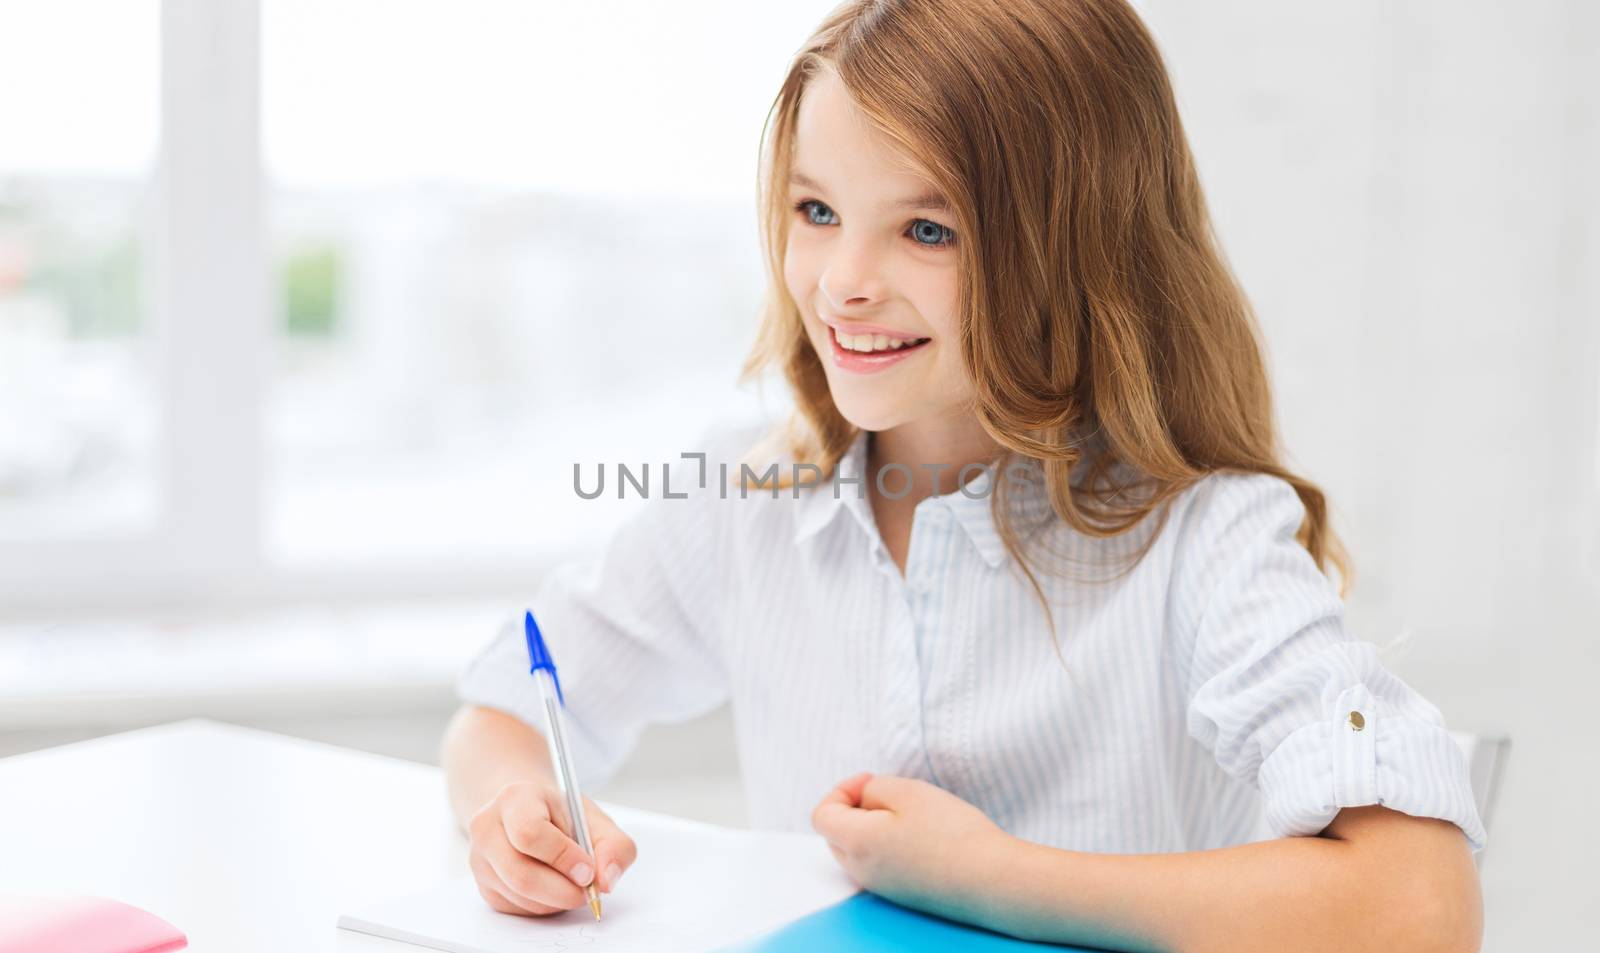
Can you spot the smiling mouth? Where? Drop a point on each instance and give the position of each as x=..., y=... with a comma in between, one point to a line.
x=882, y=352
x=873, y=343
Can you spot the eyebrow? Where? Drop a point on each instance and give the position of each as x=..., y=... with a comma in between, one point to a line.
x=928, y=200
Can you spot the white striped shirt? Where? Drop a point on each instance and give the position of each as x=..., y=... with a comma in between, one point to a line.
x=1210, y=696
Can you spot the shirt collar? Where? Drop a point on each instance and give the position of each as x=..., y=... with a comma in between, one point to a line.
x=821, y=503
x=1023, y=496
x=1024, y=492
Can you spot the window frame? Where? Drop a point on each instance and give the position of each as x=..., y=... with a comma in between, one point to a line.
x=211, y=320
x=204, y=279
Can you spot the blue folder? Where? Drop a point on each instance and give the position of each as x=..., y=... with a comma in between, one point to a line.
x=869, y=924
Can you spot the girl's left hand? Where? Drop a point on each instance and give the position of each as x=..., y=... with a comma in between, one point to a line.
x=915, y=844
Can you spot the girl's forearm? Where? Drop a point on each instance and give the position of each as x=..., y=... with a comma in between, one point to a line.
x=483, y=751
x=1409, y=886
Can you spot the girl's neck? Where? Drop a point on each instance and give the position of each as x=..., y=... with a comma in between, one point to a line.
x=934, y=451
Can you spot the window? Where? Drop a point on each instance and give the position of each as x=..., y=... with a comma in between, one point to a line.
x=78, y=386
x=365, y=282
x=542, y=214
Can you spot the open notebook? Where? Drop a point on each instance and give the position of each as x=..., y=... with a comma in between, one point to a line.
x=695, y=887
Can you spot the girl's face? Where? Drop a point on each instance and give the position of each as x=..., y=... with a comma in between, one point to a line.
x=871, y=262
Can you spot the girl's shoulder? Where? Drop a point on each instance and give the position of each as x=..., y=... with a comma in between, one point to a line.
x=713, y=490
x=1218, y=505
x=1231, y=522
x=1222, y=498
x=675, y=506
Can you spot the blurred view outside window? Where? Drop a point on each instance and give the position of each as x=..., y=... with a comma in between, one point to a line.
x=79, y=100
x=501, y=239
x=506, y=238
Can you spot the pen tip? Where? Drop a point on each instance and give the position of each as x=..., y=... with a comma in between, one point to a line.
x=595, y=903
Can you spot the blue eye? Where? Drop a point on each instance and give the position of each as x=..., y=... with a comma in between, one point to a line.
x=931, y=234
x=923, y=232
x=816, y=213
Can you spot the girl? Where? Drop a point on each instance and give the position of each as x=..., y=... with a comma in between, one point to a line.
x=1050, y=646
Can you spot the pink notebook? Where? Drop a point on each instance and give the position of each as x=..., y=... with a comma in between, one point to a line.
x=82, y=925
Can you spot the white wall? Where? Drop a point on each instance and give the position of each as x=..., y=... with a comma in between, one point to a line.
x=1404, y=188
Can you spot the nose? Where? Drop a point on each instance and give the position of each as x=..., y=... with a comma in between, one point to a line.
x=853, y=276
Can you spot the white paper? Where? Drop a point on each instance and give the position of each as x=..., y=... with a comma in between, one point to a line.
x=695, y=887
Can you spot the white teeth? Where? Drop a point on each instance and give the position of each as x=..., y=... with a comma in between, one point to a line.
x=867, y=343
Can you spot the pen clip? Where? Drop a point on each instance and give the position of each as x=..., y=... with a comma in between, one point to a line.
x=539, y=655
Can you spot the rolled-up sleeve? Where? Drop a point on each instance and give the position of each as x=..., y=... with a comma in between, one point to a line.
x=1279, y=690
x=634, y=633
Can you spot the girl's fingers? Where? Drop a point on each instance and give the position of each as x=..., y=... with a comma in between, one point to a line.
x=614, y=851
x=848, y=791
x=881, y=793
x=832, y=813
x=497, y=901
x=530, y=830
x=841, y=824
x=498, y=896
x=531, y=882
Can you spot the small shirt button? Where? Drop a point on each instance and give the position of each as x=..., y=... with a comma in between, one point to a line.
x=1357, y=721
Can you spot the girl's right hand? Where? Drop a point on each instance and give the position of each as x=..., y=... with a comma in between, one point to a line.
x=525, y=864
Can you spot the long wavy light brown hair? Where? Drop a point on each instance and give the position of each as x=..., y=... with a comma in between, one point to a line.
x=1102, y=329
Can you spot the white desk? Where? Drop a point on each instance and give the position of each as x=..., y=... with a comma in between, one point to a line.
x=244, y=840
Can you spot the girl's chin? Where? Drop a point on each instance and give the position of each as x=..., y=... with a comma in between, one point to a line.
x=870, y=415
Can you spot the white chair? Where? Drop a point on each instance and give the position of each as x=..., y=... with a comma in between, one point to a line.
x=1486, y=766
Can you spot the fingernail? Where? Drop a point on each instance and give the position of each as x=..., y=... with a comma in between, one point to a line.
x=613, y=874
x=581, y=874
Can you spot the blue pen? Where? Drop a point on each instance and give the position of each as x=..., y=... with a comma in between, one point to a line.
x=543, y=670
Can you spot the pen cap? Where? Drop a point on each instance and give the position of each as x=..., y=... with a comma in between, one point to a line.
x=539, y=655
